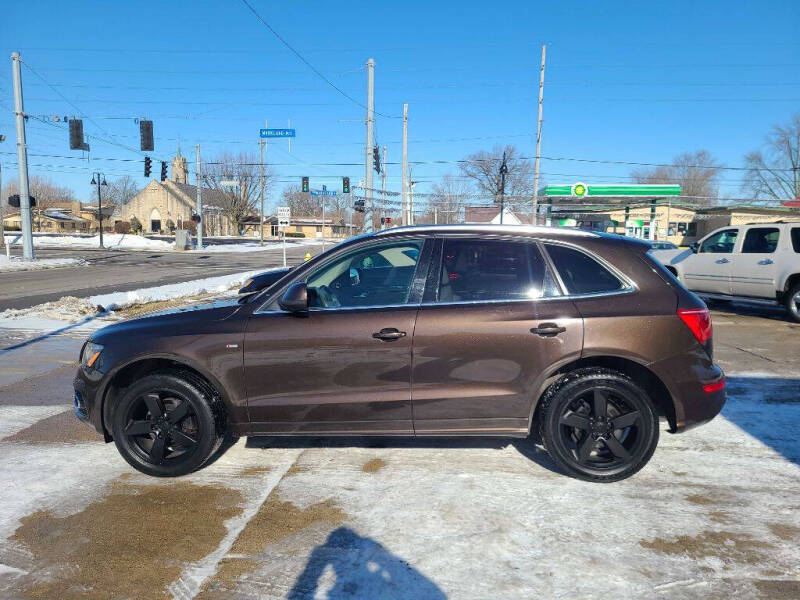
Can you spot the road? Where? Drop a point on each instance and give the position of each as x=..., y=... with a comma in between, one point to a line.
x=129, y=270
x=714, y=515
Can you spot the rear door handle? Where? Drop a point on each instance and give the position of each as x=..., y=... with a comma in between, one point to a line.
x=722, y=261
x=548, y=330
x=766, y=261
x=389, y=334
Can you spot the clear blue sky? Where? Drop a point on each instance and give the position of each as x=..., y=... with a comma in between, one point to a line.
x=628, y=81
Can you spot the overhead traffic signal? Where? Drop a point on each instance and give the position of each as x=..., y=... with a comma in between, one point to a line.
x=146, y=135
x=376, y=159
x=148, y=165
x=358, y=205
x=345, y=185
x=163, y=171
x=305, y=185
x=76, y=135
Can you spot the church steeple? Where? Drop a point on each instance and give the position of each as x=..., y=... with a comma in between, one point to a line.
x=180, y=169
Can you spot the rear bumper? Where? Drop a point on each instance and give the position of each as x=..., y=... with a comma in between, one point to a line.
x=685, y=377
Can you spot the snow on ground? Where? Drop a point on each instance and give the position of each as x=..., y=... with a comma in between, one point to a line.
x=17, y=264
x=257, y=247
x=110, y=240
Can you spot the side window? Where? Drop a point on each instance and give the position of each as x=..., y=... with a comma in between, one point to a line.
x=760, y=240
x=484, y=270
x=379, y=275
x=721, y=242
x=581, y=273
x=796, y=239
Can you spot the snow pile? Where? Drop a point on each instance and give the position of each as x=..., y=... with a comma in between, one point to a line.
x=17, y=264
x=67, y=308
x=209, y=285
x=126, y=241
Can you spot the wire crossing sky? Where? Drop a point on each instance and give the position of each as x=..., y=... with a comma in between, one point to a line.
x=626, y=84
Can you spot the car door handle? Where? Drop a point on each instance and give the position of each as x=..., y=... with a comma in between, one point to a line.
x=766, y=261
x=389, y=334
x=722, y=261
x=548, y=330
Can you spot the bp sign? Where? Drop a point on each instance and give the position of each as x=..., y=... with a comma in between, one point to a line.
x=578, y=189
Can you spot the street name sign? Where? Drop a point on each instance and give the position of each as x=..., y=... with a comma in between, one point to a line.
x=277, y=133
x=327, y=193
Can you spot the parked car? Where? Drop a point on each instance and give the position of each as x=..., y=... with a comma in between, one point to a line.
x=752, y=263
x=662, y=246
x=263, y=280
x=470, y=330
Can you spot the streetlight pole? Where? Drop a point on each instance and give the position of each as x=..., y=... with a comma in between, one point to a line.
x=503, y=171
x=96, y=180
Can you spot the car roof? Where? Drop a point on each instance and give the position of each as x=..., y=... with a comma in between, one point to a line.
x=490, y=228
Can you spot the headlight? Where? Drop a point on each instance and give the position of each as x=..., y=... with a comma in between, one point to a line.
x=90, y=354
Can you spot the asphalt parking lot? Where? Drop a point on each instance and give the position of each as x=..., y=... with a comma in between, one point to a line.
x=715, y=514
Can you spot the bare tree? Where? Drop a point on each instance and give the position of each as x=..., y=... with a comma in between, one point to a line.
x=483, y=168
x=696, y=172
x=447, y=201
x=120, y=192
x=775, y=172
x=47, y=193
x=240, y=201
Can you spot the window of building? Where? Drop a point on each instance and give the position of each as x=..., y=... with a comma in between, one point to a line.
x=581, y=273
x=491, y=270
x=761, y=240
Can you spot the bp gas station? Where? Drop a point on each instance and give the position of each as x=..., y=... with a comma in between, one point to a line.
x=643, y=211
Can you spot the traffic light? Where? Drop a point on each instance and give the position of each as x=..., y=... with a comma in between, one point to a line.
x=148, y=165
x=76, y=135
x=163, y=171
x=376, y=159
x=358, y=205
x=345, y=185
x=146, y=135
x=305, y=185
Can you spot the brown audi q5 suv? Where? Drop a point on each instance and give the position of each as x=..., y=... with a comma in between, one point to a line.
x=579, y=338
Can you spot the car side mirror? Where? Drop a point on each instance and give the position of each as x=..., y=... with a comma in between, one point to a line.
x=295, y=299
x=694, y=246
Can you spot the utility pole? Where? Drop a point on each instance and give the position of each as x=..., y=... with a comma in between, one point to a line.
x=2, y=208
x=368, y=224
x=261, y=188
x=503, y=171
x=96, y=179
x=411, y=185
x=22, y=160
x=383, y=187
x=199, y=208
x=404, y=189
x=535, y=219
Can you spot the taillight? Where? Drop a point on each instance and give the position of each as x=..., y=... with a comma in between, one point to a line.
x=698, y=320
x=710, y=388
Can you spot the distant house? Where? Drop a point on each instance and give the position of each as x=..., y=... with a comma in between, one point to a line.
x=310, y=227
x=50, y=221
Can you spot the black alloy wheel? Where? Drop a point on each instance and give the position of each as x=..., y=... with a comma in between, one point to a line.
x=598, y=425
x=167, y=424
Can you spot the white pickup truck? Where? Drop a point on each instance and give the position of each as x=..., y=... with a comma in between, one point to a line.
x=757, y=263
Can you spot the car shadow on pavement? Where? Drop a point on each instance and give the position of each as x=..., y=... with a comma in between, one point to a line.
x=767, y=408
x=54, y=332
x=351, y=566
x=528, y=447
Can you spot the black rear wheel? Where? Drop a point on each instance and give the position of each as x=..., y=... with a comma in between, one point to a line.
x=166, y=425
x=598, y=425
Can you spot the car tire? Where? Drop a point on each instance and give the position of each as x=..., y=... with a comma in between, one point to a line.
x=792, y=303
x=179, y=440
x=598, y=425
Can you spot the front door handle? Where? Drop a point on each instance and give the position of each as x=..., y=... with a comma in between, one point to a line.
x=389, y=334
x=722, y=261
x=548, y=330
x=766, y=261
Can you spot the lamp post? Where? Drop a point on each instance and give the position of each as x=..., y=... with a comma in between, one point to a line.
x=503, y=171
x=96, y=180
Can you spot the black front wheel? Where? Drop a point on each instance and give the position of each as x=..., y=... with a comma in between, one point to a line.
x=598, y=425
x=165, y=425
x=792, y=302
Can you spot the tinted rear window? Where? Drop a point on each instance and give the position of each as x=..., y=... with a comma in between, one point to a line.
x=761, y=240
x=581, y=273
x=796, y=239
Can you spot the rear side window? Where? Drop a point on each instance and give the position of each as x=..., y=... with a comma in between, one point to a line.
x=485, y=270
x=581, y=273
x=760, y=240
x=796, y=239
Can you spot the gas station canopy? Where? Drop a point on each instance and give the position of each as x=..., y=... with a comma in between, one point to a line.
x=589, y=190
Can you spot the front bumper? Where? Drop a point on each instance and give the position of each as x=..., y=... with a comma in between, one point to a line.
x=86, y=403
